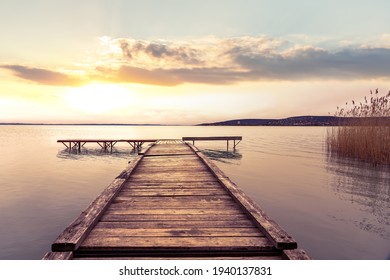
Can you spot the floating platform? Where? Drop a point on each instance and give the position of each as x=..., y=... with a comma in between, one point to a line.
x=172, y=202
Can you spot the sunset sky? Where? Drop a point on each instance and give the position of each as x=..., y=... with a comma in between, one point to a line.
x=188, y=62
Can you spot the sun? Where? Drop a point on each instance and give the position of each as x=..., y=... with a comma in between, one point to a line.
x=98, y=98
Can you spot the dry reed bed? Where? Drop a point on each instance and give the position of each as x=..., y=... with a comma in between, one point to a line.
x=365, y=136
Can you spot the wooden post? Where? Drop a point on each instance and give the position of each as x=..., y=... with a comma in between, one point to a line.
x=79, y=146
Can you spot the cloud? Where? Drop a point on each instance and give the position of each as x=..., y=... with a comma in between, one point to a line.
x=160, y=50
x=232, y=60
x=219, y=61
x=127, y=74
x=43, y=76
x=313, y=63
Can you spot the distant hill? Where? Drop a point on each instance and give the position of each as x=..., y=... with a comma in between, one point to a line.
x=292, y=121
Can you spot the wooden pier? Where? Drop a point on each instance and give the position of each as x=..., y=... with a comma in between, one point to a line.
x=216, y=138
x=172, y=202
x=105, y=144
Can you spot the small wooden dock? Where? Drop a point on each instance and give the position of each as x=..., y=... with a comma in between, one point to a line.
x=172, y=202
x=105, y=144
x=216, y=138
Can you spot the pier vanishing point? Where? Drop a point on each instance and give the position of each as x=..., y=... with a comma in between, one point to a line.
x=172, y=202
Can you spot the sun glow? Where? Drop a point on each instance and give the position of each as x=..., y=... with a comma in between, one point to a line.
x=98, y=98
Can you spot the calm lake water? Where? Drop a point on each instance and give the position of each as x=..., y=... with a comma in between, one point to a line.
x=334, y=208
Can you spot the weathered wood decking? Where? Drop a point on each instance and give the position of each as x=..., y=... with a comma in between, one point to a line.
x=173, y=202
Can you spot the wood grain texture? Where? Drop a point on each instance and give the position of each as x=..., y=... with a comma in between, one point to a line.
x=176, y=232
x=176, y=224
x=71, y=238
x=187, y=243
x=58, y=256
x=296, y=254
x=279, y=237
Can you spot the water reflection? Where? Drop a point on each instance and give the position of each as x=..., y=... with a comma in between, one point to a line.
x=223, y=155
x=368, y=187
x=75, y=154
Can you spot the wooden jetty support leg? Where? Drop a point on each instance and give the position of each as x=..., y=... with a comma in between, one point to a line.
x=216, y=138
x=235, y=144
x=101, y=144
x=65, y=145
x=133, y=145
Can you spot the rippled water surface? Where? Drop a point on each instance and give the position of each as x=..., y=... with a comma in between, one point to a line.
x=334, y=208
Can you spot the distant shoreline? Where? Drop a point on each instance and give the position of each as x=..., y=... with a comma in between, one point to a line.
x=291, y=121
x=89, y=124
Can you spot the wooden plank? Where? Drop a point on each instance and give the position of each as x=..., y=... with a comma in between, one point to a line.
x=219, y=206
x=172, y=193
x=182, y=199
x=106, y=140
x=182, y=243
x=176, y=166
x=138, y=191
x=172, y=205
x=175, y=170
x=76, y=232
x=176, y=205
x=176, y=232
x=202, y=176
x=279, y=237
x=173, y=158
x=177, y=224
x=178, y=211
x=168, y=186
x=193, y=184
x=170, y=217
x=186, y=180
x=179, y=181
x=295, y=254
x=58, y=256
x=168, y=169
x=211, y=138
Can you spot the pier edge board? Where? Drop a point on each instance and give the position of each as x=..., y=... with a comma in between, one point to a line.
x=58, y=256
x=269, y=227
x=71, y=238
x=295, y=254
